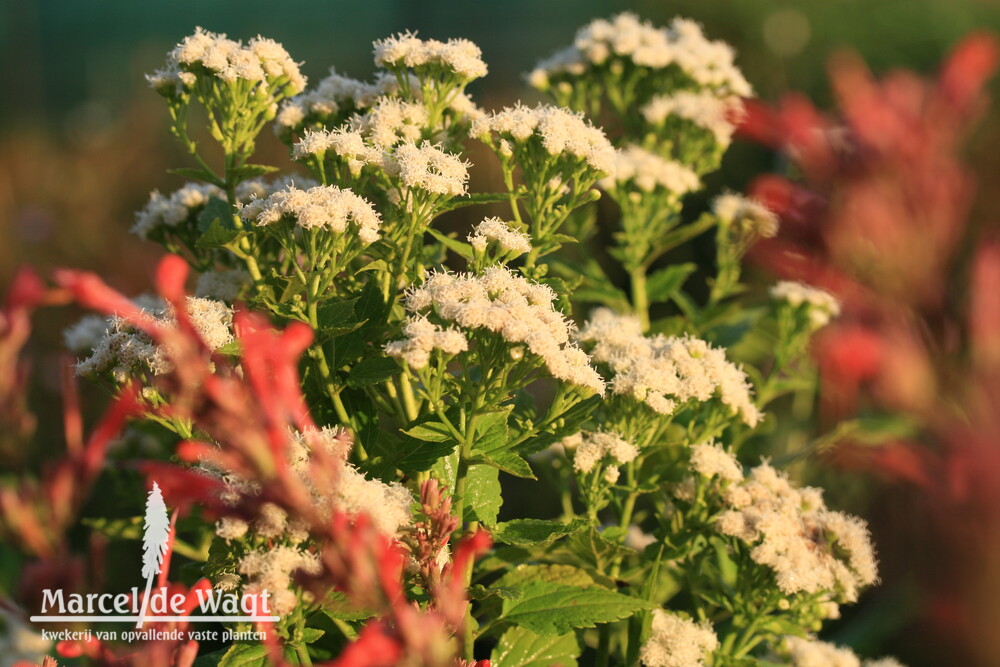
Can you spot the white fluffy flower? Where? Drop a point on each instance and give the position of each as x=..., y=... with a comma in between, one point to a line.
x=665, y=372
x=709, y=460
x=458, y=56
x=559, y=131
x=429, y=168
x=733, y=209
x=518, y=310
x=261, y=60
x=822, y=306
x=326, y=207
x=172, y=210
x=810, y=548
x=495, y=229
x=123, y=349
x=677, y=642
x=703, y=108
x=421, y=337
x=648, y=172
x=590, y=448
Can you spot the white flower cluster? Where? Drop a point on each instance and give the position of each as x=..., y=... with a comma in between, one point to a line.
x=625, y=38
x=559, y=131
x=709, y=459
x=325, y=207
x=495, y=229
x=261, y=60
x=822, y=306
x=391, y=121
x=703, y=108
x=272, y=570
x=750, y=214
x=665, y=372
x=388, y=506
x=224, y=284
x=258, y=188
x=458, y=56
x=518, y=310
x=172, y=210
x=649, y=171
x=809, y=652
x=429, y=168
x=331, y=94
x=677, y=642
x=590, y=448
x=421, y=337
x=122, y=349
x=348, y=145
x=810, y=548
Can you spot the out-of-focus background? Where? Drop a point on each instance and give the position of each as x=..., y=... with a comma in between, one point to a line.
x=83, y=141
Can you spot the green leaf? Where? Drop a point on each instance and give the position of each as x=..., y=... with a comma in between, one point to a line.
x=218, y=236
x=337, y=608
x=245, y=655
x=372, y=371
x=473, y=199
x=230, y=349
x=595, y=549
x=534, y=531
x=196, y=174
x=482, y=494
x=560, y=574
x=480, y=592
x=460, y=248
x=215, y=209
x=511, y=463
x=662, y=285
x=430, y=431
x=311, y=635
x=248, y=171
x=519, y=647
x=553, y=609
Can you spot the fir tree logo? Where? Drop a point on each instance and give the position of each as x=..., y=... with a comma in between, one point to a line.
x=155, y=541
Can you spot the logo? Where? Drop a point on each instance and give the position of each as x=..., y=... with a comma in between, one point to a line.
x=157, y=604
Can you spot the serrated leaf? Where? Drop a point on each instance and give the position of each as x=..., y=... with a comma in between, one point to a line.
x=534, y=531
x=480, y=592
x=554, y=609
x=460, y=248
x=249, y=171
x=372, y=371
x=510, y=463
x=215, y=209
x=430, y=431
x=595, y=549
x=217, y=236
x=310, y=635
x=337, y=608
x=482, y=494
x=245, y=655
x=555, y=573
x=663, y=284
x=196, y=174
x=520, y=647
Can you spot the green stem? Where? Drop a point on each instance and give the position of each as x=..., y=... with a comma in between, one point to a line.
x=640, y=297
x=603, y=645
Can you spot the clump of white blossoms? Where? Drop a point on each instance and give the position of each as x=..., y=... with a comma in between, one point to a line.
x=648, y=171
x=335, y=97
x=322, y=207
x=124, y=350
x=624, y=40
x=387, y=506
x=457, y=56
x=429, y=168
x=809, y=652
x=514, y=308
x=172, y=210
x=591, y=448
x=664, y=372
x=421, y=337
x=495, y=230
x=748, y=217
x=556, y=131
x=820, y=306
x=710, y=459
x=677, y=642
x=261, y=61
x=703, y=109
x=809, y=548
